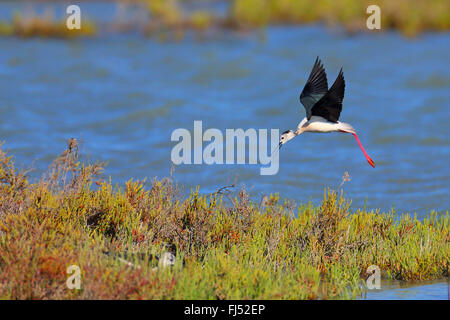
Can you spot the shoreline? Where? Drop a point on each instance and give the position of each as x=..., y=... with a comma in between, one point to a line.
x=171, y=19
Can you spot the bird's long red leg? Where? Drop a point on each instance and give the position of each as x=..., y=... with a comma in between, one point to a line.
x=364, y=151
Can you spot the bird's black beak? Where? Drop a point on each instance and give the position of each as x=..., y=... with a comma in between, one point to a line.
x=276, y=149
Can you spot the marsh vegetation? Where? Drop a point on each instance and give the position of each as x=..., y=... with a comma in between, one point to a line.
x=227, y=246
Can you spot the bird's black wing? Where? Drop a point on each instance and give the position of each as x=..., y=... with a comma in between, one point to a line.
x=330, y=105
x=315, y=88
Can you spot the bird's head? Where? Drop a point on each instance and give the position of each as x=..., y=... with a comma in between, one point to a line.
x=285, y=137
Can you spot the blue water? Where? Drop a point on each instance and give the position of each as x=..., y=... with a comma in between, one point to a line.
x=398, y=290
x=123, y=95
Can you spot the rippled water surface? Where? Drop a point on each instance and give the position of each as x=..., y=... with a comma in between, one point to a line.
x=398, y=290
x=124, y=95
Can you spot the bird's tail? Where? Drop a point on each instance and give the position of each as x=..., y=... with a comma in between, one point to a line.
x=346, y=127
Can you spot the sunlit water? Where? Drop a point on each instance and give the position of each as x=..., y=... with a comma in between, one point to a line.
x=124, y=95
x=398, y=290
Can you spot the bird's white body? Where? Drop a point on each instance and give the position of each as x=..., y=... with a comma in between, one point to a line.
x=319, y=124
x=322, y=125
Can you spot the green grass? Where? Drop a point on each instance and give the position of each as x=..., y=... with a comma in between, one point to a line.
x=227, y=247
x=411, y=17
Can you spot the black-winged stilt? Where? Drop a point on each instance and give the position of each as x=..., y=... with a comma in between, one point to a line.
x=323, y=107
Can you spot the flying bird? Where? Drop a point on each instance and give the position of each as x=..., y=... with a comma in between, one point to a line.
x=323, y=107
